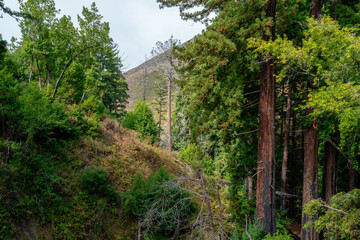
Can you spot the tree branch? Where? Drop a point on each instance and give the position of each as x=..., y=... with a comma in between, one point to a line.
x=67, y=65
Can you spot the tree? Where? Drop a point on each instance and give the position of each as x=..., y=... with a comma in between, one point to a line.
x=158, y=80
x=17, y=15
x=166, y=48
x=265, y=186
x=37, y=33
x=327, y=56
x=141, y=119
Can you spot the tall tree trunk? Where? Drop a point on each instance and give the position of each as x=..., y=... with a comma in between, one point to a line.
x=37, y=65
x=310, y=181
x=284, y=166
x=265, y=186
x=329, y=172
x=315, y=11
x=311, y=142
x=169, y=110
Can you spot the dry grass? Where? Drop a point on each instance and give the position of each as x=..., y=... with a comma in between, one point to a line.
x=123, y=154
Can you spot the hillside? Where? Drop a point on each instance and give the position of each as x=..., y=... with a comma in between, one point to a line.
x=54, y=203
x=135, y=76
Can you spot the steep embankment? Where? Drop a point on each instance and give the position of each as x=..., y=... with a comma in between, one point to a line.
x=77, y=192
x=122, y=154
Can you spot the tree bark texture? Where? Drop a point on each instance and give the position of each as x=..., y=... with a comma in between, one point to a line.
x=265, y=185
x=311, y=143
x=329, y=172
x=284, y=166
x=310, y=181
x=315, y=11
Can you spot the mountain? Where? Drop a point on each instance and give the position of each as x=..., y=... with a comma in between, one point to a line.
x=136, y=75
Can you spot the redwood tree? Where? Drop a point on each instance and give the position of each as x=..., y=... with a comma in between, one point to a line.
x=311, y=143
x=265, y=187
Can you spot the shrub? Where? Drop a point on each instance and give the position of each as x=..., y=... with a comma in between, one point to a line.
x=43, y=119
x=86, y=122
x=159, y=203
x=91, y=105
x=340, y=220
x=95, y=181
x=142, y=121
x=278, y=236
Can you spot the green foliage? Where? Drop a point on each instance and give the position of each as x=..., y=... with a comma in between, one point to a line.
x=91, y=105
x=43, y=119
x=141, y=120
x=159, y=203
x=254, y=230
x=241, y=207
x=191, y=154
x=278, y=236
x=96, y=181
x=340, y=220
x=7, y=229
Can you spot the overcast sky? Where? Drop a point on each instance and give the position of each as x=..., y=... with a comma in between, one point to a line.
x=135, y=25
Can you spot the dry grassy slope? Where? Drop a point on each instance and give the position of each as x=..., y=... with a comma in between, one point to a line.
x=123, y=154
x=134, y=77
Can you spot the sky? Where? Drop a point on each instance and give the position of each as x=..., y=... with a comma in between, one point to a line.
x=135, y=25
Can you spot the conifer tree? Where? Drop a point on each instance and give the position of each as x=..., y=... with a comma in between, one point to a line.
x=167, y=48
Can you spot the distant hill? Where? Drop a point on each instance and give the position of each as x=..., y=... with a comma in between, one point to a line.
x=135, y=76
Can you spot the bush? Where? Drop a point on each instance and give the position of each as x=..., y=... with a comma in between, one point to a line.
x=43, y=119
x=95, y=181
x=87, y=123
x=191, y=153
x=340, y=220
x=158, y=203
x=91, y=106
x=278, y=236
x=142, y=121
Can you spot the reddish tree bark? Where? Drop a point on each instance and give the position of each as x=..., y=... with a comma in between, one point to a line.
x=311, y=142
x=329, y=172
x=265, y=186
x=310, y=181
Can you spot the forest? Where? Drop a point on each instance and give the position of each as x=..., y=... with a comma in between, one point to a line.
x=249, y=131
